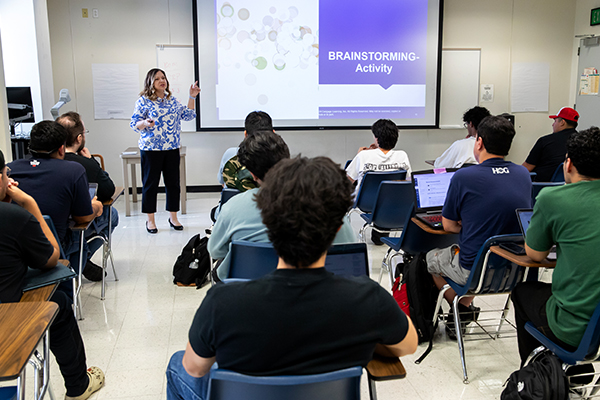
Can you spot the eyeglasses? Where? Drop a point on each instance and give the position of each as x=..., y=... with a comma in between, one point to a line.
x=8, y=171
x=85, y=132
x=466, y=125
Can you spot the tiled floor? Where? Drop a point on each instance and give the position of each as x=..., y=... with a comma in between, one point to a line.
x=145, y=318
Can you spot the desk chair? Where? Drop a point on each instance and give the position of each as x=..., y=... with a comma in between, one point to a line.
x=107, y=240
x=559, y=174
x=338, y=385
x=491, y=274
x=587, y=352
x=393, y=200
x=536, y=188
x=413, y=241
x=533, y=175
x=100, y=160
x=367, y=192
x=251, y=260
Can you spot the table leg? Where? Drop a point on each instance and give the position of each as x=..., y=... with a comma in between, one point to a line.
x=183, y=185
x=126, y=184
x=133, y=183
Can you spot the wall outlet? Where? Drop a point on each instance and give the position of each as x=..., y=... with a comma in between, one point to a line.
x=95, y=13
x=84, y=12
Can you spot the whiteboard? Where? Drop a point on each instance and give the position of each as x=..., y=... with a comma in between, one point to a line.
x=178, y=64
x=460, y=85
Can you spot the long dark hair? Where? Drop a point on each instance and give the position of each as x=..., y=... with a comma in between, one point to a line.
x=149, y=91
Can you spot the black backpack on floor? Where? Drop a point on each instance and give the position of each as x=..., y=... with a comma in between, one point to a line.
x=193, y=264
x=543, y=379
x=422, y=295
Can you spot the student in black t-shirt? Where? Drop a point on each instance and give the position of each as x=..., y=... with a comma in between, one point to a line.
x=26, y=240
x=549, y=151
x=75, y=150
x=299, y=319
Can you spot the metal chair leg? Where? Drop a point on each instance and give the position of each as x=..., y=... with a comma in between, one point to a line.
x=361, y=234
x=503, y=317
x=459, y=338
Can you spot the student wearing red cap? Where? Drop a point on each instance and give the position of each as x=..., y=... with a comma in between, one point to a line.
x=549, y=151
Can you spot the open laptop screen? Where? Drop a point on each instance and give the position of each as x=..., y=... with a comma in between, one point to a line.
x=430, y=189
x=524, y=217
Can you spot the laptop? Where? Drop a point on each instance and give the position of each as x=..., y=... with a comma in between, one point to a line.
x=430, y=188
x=524, y=218
x=348, y=259
x=92, y=187
x=36, y=278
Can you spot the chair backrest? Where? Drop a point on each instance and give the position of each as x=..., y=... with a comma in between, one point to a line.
x=99, y=157
x=492, y=273
x=559, y=174
x=536, y=187
x=53, y=230
x=365, y=197
x=415, y=240
x=532, y=175
x=228, y=193
x=337, y=385
x=251, y=260
x=394, y=199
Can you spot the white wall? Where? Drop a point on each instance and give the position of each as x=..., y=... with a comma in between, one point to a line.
x=127, y=31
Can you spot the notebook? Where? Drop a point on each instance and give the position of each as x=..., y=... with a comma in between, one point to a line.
x=348, y=259
x=430, y=188
x=524, y=218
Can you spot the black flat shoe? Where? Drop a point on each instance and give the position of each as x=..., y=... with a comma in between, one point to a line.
x=155, y=230
x=176, y=227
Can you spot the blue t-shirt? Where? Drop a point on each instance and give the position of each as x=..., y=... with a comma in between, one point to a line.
x=484, y=198
x=59, y=187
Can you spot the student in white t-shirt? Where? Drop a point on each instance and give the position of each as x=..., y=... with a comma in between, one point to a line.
x=461, y=151
x=380, y=156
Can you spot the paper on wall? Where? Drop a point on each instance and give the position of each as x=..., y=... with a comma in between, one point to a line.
x=530, y=87
x=116, y=89
x=588, y=85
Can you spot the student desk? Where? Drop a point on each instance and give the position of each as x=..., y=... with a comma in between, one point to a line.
x=523, y=261
x=22, y=327
x=382, y=368
x=131, y=156
x=429, y=229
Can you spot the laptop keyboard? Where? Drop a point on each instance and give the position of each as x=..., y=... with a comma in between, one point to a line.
x=433, y=220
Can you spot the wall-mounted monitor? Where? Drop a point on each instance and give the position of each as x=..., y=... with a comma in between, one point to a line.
x=20, y=104
x=318, y=63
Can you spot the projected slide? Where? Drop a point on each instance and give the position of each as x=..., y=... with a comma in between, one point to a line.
x=318, y=62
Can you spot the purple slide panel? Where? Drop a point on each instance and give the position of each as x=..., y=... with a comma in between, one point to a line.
x=371, y=112
x=380, y=42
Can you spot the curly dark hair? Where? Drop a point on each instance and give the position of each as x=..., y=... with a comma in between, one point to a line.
x=258, y=121
x=475, y=115
x=46, y=138
x=261, y=151
x=386, y=132
x=303, y=202
x=583, y=148
x=497, y=134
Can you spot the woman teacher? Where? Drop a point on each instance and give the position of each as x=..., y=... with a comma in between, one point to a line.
x=157, y=118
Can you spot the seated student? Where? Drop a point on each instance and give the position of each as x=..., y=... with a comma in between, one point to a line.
x=26, y=240
x=299, y=319
x=565, y=216
x=76, y=151
x=461, y=151
x=549, y=151
x=380, y=156
x=59, y=187
x=231, y=172
x=240, y=217
x=480, y=203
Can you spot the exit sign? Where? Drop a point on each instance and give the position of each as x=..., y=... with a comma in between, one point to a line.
x=595, y=17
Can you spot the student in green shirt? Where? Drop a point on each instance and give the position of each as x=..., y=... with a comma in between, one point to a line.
x=565, y=216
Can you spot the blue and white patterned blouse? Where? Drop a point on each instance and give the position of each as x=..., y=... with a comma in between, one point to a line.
x=167, y=116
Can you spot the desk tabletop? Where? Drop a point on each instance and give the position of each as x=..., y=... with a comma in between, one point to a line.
x=119, y=190
x=523, y=261
x=385, y=368
x=134, y=152
x=22, y=326
x=429, y=229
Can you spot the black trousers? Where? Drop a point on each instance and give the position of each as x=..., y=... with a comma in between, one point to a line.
x=529, y=300
x=67, y=346
x=153, y=164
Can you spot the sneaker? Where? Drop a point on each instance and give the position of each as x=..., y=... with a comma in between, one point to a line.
x=93, y=272
x=467, y=315
x=96, y=377
x=376, y=237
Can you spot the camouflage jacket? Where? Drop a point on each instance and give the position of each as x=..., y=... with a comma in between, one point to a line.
x=237, y=176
